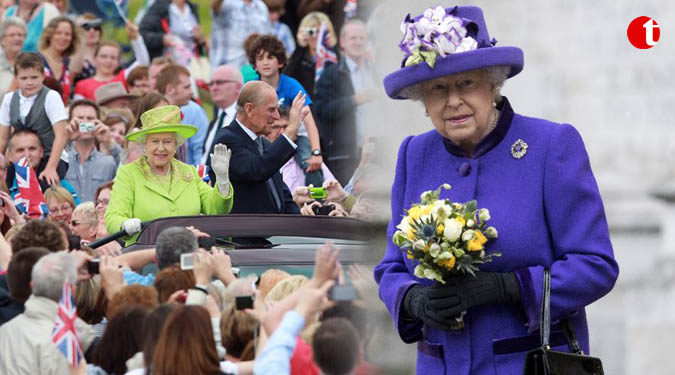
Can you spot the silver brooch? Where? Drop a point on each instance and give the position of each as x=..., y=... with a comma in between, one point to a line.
x=518, y=149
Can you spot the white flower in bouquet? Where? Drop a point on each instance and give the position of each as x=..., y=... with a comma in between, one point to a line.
x=434, y=250
x=470, y=223
x=426, y=196
x=404, y=226
x=399, y=238
x=433, y=275
x=419, y=245
x=453, y=229
x=441, y=210
x=445, y=255
x=484, y=214
x=419, y=271
x=491, y=232
x=467, y=235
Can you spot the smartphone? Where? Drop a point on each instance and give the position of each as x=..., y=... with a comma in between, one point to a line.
x=317, y=193
x=243, y=302
x=86, y=127
x=186, y=261
x=343, y=293
x=93, y=266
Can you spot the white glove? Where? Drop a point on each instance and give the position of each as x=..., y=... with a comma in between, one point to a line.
x=220, y=163
x=132, y=226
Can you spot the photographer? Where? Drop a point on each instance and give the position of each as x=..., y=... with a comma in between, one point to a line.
x=330, y=200
x=88, y=168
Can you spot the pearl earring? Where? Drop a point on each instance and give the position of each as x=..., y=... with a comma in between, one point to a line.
x=494, y=104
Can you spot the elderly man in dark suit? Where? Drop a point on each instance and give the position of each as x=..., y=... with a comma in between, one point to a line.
x=255, y=162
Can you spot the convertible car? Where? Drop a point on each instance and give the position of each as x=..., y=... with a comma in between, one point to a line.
x=259, y=242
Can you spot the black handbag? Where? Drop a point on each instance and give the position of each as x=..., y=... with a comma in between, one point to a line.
x=544, y=361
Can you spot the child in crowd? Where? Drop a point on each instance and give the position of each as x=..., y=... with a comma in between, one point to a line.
x=281, y=30
x=37, y=108
x=268, y=57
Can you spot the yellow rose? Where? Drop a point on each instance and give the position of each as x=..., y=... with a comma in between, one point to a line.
x=474, y=245
x=461, y=220
x=439, y=229
x=414, y=213
x=411, y=234
x=426, y=210
x=480, y=237
x=447, y=263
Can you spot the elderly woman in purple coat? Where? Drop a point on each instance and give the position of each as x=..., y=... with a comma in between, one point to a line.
x=534, y=176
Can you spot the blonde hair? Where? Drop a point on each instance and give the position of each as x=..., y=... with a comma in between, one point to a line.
x=87, y=212
x=269, y=279
x=314, y=19
x=60, y=194
x=12, y=232
x=286, y=287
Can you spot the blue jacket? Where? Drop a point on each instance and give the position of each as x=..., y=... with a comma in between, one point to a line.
x=548, y=211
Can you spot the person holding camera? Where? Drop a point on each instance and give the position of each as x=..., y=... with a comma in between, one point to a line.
x=88, y=167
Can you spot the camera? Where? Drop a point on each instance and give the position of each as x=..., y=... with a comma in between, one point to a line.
x=317, y=193
x=342, y=293
x=74, y=242
x=243, y=302
x=86, y=127
x=93, y=266
x=206, y=243
x=235, y=271
x=323, y=210
x=186, y=261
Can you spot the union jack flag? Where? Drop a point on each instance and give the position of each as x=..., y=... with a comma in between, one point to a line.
x=29, y=199
x=203, y=172
x=63, y=334
x=323, y=53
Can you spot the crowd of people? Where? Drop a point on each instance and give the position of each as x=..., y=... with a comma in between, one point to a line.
x=178, y=321
x=264, y=115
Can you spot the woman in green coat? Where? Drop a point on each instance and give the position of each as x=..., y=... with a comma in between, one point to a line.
x=157, y=185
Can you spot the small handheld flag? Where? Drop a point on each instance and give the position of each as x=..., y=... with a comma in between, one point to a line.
x=323, y=53
x=63, y=334
x=29, y=198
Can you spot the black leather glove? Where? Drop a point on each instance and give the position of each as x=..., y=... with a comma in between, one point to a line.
x=484, y=289
x=438, y=305
x=428, y=304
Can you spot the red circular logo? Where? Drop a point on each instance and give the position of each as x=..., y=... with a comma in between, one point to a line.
x=643, y=32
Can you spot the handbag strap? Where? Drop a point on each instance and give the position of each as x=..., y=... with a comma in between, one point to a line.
x=545, y=319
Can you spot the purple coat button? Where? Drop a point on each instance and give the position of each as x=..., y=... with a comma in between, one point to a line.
x=465, y=169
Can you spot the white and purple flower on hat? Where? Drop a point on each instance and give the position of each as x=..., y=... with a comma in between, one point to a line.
x=410, y=42
x=436, y=32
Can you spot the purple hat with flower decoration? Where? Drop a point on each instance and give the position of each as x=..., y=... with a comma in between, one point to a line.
x=442, y=42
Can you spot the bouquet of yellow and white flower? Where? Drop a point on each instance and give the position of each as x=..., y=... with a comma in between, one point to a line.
x=445, y=237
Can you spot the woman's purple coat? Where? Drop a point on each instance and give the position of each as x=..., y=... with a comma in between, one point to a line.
x=548, y=211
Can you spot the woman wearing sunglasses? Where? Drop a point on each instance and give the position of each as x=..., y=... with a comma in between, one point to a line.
x=81, y=65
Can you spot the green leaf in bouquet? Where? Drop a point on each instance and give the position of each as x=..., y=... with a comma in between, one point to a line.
x=470, y=207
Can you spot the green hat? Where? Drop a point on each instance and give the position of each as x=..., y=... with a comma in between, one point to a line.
x=164, y=119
